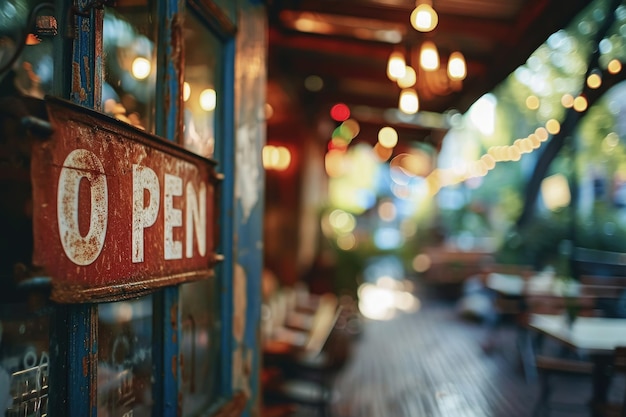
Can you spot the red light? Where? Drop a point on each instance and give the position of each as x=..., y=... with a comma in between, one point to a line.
x=337, y=144
x=340, y=112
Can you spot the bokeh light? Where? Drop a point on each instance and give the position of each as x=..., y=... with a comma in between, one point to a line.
x=339, y=112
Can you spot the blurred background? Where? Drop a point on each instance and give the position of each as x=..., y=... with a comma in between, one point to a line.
x=515, y=158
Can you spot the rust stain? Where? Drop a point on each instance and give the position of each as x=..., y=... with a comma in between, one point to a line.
x=177, y=58
x=174, y=365
x=87, y=72
x=85, y=365
x=234, y=407
x=105, y=205
x=75, y=78
x=174, y=321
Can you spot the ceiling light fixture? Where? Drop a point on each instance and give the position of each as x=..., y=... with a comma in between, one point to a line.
x=457, y=69
x=429, y=56
x=409, y=103
x=424, y=18
x=396, y=66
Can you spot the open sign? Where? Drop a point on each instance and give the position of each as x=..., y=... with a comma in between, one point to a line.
x=116, y=211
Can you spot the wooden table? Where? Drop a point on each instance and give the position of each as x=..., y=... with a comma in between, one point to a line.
x=510, y=290
x=596, y=337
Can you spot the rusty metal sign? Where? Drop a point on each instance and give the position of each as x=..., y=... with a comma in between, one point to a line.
x=118, y=212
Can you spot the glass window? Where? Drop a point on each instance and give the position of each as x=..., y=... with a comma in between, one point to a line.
x=129, y=46
x=200, y=345
x=125, y=358
x=24, y=363
x=200, y=91
x=31, y=72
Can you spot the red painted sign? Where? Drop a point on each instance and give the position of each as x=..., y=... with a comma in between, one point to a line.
x=118, y=212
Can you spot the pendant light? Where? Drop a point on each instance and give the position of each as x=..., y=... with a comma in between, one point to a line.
x=424, y=18
x=396, y=66
x=409, y=103
x=457, y=70
x=429, y=56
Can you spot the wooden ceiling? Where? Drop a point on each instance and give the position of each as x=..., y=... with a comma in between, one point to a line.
x=347, y=44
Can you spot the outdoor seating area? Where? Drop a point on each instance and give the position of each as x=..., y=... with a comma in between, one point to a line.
x=307, y=340
x=531, y=358
x=433, y=363
x=582, y=322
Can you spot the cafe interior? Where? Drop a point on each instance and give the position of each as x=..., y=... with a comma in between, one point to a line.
x=446, y=180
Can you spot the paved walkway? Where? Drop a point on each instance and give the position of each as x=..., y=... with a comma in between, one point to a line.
x=430, y=364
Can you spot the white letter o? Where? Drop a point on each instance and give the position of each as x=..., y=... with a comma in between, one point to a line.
x=80, y=164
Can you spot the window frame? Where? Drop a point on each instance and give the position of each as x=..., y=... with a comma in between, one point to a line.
x=74, y=366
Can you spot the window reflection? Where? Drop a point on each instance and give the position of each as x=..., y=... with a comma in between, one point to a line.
x=200, y=345
x=199, y=94
x=24, y=364
x=125, y=358
x=128, y=90
x=32, y=72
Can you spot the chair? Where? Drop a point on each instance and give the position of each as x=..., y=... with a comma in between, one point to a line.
x=303, y=374
x=558, y=362
x=610, y=293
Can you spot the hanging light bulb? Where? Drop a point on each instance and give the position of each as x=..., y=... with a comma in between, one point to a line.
x=409, y=78
x=424, y=18
x=409, y=103
x=429, y=57
x=457, y=70
x=396, y=66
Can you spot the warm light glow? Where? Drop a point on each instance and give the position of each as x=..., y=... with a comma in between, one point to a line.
x=555, y=192
x=269, y=111
x=541, y=133
x=186, y=91
x=594, y=80
x=141, y=68
x=334, y=163
x=489, y=161
x=277, y=158
x=532, y=102
x=346, y=242
x=388, y=137
x=349, y=129
x=429, y=57
x=409, y=78
x=381, y=152
x=396, y=66
x=614, y=66
x=424, y=18
x=553, y=126
x=457, y=70
x=421, y=262
x=387, y=211
x=342, y=221
x=567, y=101
x=32, y=39
x=534, y=141
x=580, y=104
x=284, y=159
x=409, y=103
x=208, y=99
